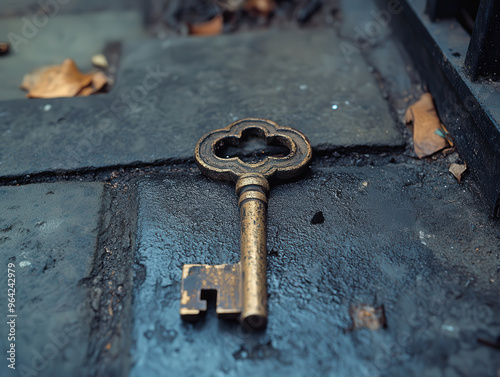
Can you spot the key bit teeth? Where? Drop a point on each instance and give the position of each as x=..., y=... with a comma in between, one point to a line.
x=198, y=279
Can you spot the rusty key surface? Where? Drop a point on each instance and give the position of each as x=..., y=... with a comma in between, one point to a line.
x=242, y=288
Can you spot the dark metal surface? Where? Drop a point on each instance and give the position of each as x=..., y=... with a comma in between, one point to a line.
x=369, y=232
x=170, y=92
x=401, y=236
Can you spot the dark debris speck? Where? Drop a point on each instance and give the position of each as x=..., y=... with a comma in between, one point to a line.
x=318, y=218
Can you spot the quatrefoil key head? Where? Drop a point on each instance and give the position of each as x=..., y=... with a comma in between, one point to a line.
x=271, y=167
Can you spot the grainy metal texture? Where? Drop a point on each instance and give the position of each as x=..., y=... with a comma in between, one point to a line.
x=400, y=235
x=49, y=231
x=244, y=289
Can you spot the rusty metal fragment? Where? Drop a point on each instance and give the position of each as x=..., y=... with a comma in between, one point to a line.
x=367, y=317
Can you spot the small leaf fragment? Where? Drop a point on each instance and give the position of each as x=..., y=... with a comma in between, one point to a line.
x=99, y=61
x=429, y=135
x=458, y=170
x=211, y=27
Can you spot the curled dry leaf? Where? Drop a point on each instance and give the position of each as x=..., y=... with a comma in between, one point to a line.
x=63, y=80
x=367, y=317
x=428, y=130
x=263, y=7
x=458, y=170
x=211, y=27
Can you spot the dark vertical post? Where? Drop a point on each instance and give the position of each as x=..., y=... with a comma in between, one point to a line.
x=483, y=54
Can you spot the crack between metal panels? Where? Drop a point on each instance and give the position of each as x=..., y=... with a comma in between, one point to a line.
x=109, y=284
x=92, y=174
x=344, y=156
x=324, y=156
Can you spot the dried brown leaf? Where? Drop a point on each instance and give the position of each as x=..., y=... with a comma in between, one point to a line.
x=458, y=170
x=422, y=114
x=87, y=91
x=30, y=79
x=211, y=27
x=63, y=80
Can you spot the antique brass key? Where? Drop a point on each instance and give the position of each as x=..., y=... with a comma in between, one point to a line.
x=241, y=287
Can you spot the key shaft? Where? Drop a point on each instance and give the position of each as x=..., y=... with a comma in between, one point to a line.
x=252, y=190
